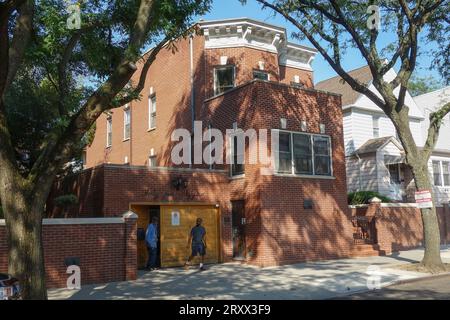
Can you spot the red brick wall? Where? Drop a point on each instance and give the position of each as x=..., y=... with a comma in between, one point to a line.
x=124, y=185
x=169, y=76
x=400, y=227
x=278, y=229
x=107, y=251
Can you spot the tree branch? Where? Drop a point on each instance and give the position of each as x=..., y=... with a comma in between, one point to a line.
x=354, y=83
x=433, y=130
x=21, y=36
x=57, y=149
x=62, y=70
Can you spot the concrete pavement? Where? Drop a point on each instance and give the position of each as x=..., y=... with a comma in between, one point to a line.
x=312, y=280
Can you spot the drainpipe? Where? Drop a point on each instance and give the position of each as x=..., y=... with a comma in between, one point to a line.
x=191, y=71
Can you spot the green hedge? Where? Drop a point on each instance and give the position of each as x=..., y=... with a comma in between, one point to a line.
x=66, y=201
x=363, y=197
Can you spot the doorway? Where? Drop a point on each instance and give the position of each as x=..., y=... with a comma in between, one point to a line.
x=238, y=229
x=154, y=211
x=175, y=223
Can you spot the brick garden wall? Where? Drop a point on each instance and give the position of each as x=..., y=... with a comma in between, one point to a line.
x=106, y=249
x=399, y=226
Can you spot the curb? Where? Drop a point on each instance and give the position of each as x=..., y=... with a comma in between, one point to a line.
x=390, y=284
x=426, y=277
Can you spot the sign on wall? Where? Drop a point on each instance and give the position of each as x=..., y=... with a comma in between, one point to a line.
x=424, y=199
x=175, y=218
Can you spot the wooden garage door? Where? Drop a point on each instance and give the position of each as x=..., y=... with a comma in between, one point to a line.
x=174, y=238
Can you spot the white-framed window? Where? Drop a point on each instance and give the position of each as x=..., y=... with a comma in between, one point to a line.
x=126, y=123
x=152, y=112
x=108, y=132
x=376, y=126
x=238, y=156
x=152, y=161
x=446, y=173
x=441, y=173
x=303, y=154
x=224, y=78
x=262, y=75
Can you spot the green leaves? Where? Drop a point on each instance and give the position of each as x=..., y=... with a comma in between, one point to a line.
x=63, y=66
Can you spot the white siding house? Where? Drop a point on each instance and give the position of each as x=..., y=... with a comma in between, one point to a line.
x=439, y=164
x=374, y=156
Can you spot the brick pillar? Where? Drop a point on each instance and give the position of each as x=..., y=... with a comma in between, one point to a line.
x=446, y=219
x=130, y=261
x=374, y=210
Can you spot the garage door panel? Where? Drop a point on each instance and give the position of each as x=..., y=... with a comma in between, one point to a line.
x=174, y=238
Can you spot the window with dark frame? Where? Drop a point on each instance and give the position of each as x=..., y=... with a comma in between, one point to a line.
x=322, y=157
x=237, y=167
x=262, y=75
x=284, y=164
x=223, y=79
x=303, y=154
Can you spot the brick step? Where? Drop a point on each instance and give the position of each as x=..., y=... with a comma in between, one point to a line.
x=367, y=250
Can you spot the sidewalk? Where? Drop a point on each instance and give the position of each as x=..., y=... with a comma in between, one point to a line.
x=312, y=280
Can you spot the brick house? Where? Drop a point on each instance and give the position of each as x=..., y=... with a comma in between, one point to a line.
x=236, y=74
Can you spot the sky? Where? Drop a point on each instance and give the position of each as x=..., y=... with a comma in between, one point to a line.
x=222, y=9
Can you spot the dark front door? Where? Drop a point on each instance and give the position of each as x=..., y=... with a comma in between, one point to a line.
x=238, y=227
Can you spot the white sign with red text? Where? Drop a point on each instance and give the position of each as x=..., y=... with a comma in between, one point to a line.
x=424, y=199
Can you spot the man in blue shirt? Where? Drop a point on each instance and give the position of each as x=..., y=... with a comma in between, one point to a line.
x=151, y=240
x=197, y=239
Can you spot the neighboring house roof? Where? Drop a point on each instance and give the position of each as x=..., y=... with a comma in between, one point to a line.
x=338, y=85
x=354, y=99
x=373, y=145
x=433, y=100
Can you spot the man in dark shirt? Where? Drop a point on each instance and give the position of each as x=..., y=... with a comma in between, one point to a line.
x=197, y=240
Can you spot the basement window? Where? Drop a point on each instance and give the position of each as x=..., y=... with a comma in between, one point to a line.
x=224, y=78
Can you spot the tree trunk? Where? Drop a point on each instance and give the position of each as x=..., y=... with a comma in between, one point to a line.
x=431, y=235
x=24, y=236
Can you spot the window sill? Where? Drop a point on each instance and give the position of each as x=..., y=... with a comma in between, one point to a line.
x=108, y=147
x=127, y=139
x=151, y=129
x=306, y=176
x=238, y=176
